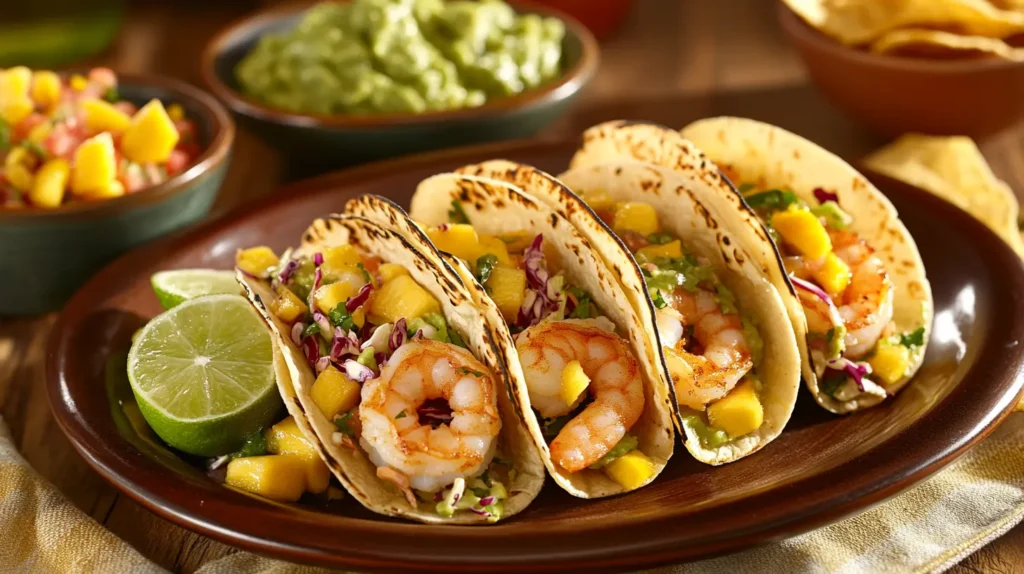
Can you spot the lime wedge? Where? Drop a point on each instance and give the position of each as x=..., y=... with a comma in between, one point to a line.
x=203, y=375
x=179, y=285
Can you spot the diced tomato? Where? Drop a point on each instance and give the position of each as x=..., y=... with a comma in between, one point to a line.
x=133, y=179
x=22, y=130
x=177, y=162
x=186, y=129
x=103, y=78
x=62, y=142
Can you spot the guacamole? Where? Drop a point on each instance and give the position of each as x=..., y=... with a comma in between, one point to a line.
x=394, y=56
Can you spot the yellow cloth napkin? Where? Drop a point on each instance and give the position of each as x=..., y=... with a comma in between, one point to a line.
x=926, y=529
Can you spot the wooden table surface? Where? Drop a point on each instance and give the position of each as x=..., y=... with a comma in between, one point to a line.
x=671, y=62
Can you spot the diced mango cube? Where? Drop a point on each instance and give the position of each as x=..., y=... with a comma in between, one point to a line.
x=574, y=382
x=39, y=133
x=113, y=188
x=631, y=470
x=334, y=393
x=20, y=156
x=389, y=271
x=599, y=200
x=359, y=317
x=833, y=274
x=151, y=136
x=14, y=83
x=803, y=231
x=102, y=116
x=459, y=239
x=739, y=412
x=176, y=112
x=15, y=110
x=401, y=297
x=516, y=241
x=275, y=476
x=890, y=361
x=50, y=183
x=508, y=288
x=256, y=260
x=45, y=88
x=672, y=250
x=287, y=438
x=95, y=165
x=636, y=216
x=490, y=244
x=78, y=82
x=327, y=297
x=339, y=258
x=19, y=176
x=288, y=307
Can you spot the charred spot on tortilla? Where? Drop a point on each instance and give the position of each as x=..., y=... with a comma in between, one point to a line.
x=726, y=240
x=618, y=171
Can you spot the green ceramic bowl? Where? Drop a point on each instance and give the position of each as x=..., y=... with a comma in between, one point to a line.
x=48, y=254
x=315, y=143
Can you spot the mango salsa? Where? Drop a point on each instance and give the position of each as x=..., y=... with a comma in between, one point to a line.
x=256, y=260
x=401, y=297
x=637, y=217
x=286, y=438
x=508, y=288
x=833, y=275
x=151, y=137
x=102, y=116
x=334, y=393
x=14, y=83
x=490, y=244
x=275, y=476
x=45, y=89
x=95, y=165
x=330, y=296
x=459, y=239
x=739, y=412
x=50, y=183
x=672, y=250
x=339, y=258
x=288, y=307
x=890, y=361
x=631, y=470
x=388, y=271
x=16, y=110
x=803, y=231
x=574, y=382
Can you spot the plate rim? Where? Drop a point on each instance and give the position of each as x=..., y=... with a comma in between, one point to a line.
x=817, y=507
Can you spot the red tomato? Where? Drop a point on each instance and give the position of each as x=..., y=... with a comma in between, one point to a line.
x=61, y=142
x=127, y=107
x=186, y=129
x=177, y=163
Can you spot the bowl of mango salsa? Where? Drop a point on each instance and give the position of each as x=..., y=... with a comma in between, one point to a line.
x=94, y=163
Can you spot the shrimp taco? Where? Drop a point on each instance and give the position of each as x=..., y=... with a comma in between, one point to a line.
x=847, y=269
x=589, y=383
x=396, y=374
x=728, y=345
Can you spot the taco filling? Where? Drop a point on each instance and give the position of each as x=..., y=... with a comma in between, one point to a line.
x=396, y=381
x=584, y=383
x=846, y=292
x=712, y=348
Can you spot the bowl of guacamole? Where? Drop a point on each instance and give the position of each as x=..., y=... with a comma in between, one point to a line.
x=340, y=83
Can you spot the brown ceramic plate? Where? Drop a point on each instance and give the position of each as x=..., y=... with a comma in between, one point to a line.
x=821, y=469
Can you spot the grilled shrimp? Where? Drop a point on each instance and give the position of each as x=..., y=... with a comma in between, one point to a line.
x=430, y=456
x=615, y=385
x=726, y=355
x=865, y=307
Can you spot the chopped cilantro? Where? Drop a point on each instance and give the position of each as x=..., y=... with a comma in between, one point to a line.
x=343, y=423
x=834, y=216
x=484, y=266
x=914, y=339
x=5, y=135
x=660, y=238
x=311, y=329
x=726, y=299
x=36, y=149
x=831, y=382
x=551, y=427
x=366, y=274
x=340, y=317
x=659, y=301
x=771, y=200
x=744, y=188
x=401, y=415
x=456, y=339
x=112, y=95
x=584, y=305
x=671, y=273
x=255, y=445
x=468, y=371
x=456, y=214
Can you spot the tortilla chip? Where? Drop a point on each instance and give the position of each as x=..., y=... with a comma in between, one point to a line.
x=933, y=44
x=954, y=169
x=855, y=22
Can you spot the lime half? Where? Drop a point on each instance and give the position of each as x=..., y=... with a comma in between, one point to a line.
x=203, y=374
x=174, y=287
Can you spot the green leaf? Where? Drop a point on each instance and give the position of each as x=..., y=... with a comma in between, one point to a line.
x=366, y=274
x=834, y=216
x=831, y=382
x=36, y=149
x=343, y=424
x=913, y=339
x=340, y=317
x=659, y=301
x=400, y=415
x=112, y=95
x=485, y=264
x=468, y=371
x=255, y=445
x=625, y=444
x=744, y=188
x=456, y=214
x=457, y=339
x=5, y=135
x=584, y=304
x=311, y=329
x=771, y=200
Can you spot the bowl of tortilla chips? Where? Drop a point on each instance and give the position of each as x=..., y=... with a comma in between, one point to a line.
x=945, y=67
